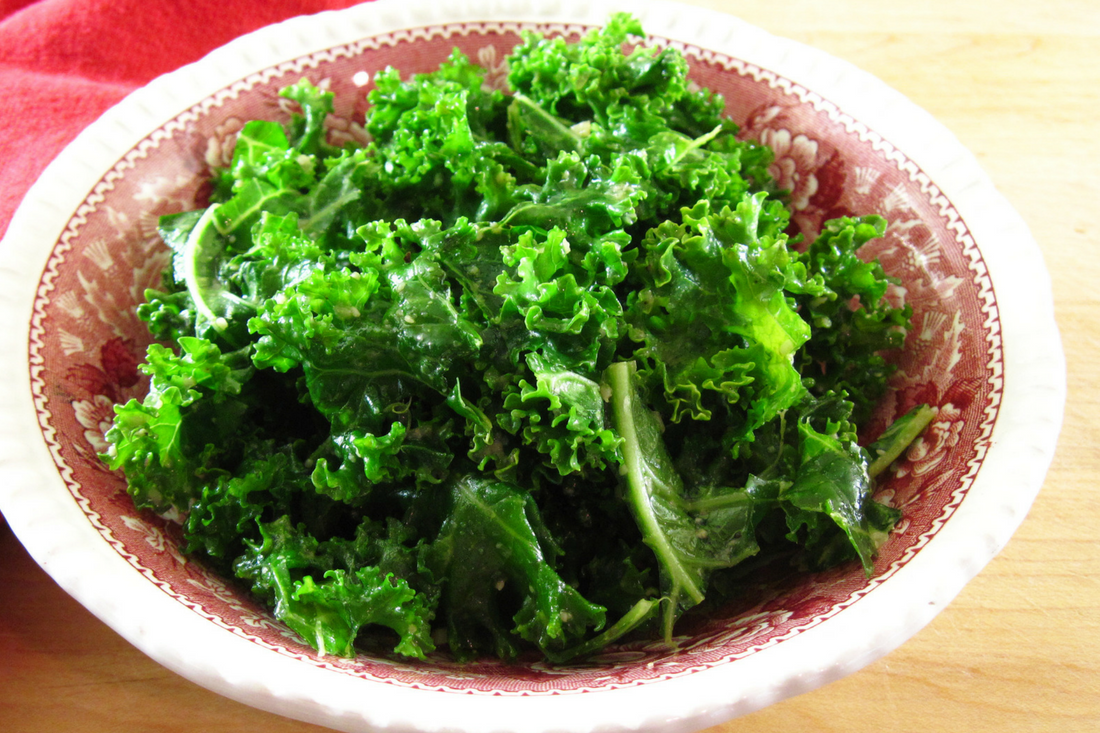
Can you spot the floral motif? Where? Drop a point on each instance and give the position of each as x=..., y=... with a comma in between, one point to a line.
x=928, y=452
x=219, y=146
x=160, y=190
x=154, y=537
x=96, y=417
x=342, y=130
x=794, y=164
x=810, y=169
x=114, y=377
x=496, y=69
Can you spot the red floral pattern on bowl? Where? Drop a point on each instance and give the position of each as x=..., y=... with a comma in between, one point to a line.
x=86, y=343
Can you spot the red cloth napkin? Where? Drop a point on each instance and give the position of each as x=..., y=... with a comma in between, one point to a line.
x=65, y=62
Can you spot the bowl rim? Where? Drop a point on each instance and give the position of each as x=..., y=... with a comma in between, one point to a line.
x=39, y=508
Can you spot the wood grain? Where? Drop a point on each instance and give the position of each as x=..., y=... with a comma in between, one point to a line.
x=1017, y=82
x=1019, y=650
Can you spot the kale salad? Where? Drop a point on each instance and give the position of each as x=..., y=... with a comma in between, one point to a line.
x=531, y=370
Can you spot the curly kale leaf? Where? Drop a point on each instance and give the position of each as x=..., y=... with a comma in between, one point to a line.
x=519, y=363
x=171, y=440
x=433, y=134
x=330, y=612
x=495, y=560
x=562, y=416
x=574, y=319
x=690, y=541
x=588, y=79
x=832, y=489
x=853, y=322
x=716, y=330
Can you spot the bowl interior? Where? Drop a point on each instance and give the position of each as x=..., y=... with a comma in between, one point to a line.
x=86, y=344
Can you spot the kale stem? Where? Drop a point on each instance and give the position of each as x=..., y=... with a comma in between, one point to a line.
x=901, y=433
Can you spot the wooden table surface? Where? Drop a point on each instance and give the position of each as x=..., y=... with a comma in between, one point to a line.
x=1018, y=81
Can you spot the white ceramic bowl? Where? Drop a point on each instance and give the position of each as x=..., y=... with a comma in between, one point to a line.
x=984, y=349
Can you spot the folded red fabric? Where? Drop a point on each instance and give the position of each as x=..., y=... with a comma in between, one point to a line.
x=64, y=62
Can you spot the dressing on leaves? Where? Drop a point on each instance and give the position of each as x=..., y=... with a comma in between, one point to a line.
x=529, y=372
